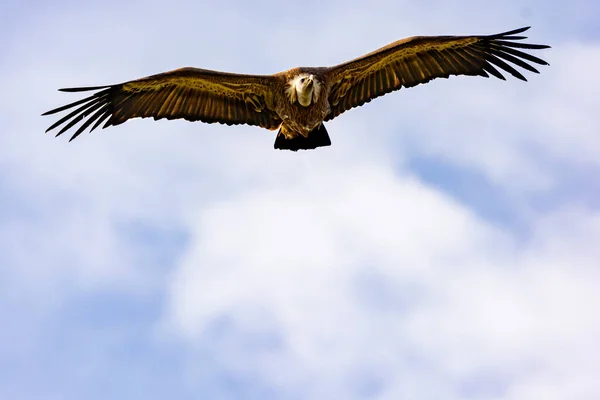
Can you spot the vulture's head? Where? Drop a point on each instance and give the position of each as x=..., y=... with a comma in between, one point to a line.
x=305, y=89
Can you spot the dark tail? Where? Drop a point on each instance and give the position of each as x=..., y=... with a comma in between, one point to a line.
x=316, y=138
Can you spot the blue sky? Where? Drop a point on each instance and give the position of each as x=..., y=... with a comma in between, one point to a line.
x=445, y=246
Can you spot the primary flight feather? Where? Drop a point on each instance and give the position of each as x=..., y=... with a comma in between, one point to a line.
x=298, y=101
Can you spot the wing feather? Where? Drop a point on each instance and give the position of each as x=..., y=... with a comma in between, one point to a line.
x=419, y=59
x=188, y=93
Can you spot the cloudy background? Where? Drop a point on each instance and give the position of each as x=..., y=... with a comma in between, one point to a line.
x=445, y=246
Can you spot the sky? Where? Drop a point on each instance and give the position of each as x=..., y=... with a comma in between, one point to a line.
x=444, y=247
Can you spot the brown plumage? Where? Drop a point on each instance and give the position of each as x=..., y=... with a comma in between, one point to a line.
x=298, y=101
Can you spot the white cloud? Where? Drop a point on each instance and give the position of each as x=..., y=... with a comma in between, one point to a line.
x=357, y=267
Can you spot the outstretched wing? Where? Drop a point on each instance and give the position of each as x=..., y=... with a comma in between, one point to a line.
x=419, y=59
x=189, y=93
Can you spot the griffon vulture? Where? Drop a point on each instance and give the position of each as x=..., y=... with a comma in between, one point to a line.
x=298, y=101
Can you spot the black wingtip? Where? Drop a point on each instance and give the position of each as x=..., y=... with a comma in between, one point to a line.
x=510, y=34
x=83, y=89
x=516, y=31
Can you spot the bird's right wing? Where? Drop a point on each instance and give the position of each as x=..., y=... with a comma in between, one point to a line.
x=189, y=93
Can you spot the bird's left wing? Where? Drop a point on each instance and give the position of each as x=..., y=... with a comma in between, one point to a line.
x=419, y=59
x=190, y=93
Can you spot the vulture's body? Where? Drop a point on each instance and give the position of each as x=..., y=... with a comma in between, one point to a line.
x=298, y=101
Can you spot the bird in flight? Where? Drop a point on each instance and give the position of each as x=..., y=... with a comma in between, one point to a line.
x=297, y=102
